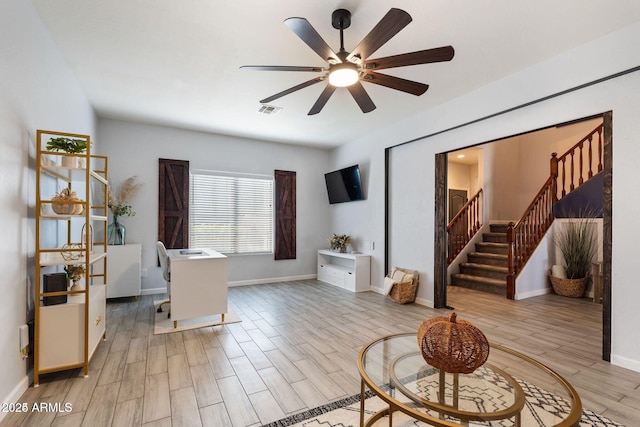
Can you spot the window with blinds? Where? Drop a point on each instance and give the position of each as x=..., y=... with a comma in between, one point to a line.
x=232, y=214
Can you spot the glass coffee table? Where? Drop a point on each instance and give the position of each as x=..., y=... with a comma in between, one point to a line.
x=509, y=386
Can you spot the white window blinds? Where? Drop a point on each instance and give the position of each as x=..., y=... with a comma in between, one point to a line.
x=232, y=214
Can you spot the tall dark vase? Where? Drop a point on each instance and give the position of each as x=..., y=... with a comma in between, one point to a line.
x=116, y=232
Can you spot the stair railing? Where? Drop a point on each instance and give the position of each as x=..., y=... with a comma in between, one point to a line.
x=464, y=226
x=576, y=154
x=524, y=236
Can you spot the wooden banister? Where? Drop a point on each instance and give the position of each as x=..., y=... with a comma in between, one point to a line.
x=576, y=154
x=464, y=226
x=523, y=237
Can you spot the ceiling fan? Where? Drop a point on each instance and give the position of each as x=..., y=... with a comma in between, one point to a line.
x=348, y=69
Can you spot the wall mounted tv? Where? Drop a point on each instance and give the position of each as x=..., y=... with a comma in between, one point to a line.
x=344, y=185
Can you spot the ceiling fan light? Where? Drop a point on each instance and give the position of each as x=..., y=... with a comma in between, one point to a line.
x=343, y=75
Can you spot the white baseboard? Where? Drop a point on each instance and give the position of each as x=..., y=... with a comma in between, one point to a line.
x=271, y=280
x=153, y=291
x=15, y=394
x=377, y=290
x=425, y=302
x=534, y=293
x=625, y=362
x=419, y=301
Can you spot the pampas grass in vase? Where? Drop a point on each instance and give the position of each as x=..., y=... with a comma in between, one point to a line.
x=120, y=205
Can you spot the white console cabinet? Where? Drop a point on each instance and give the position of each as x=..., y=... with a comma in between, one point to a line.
x=123, y=270
x=348, y=271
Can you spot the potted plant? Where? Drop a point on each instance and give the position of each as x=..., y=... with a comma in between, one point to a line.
x=577, y=243
x=340, y=242
x=67, y=145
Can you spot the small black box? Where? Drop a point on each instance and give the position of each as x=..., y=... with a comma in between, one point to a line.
x=55, y=282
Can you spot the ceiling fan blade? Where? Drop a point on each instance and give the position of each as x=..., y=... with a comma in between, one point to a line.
x=408, y=86
x=291, y=90
x=322, y=100
x=439, y=54
x=282, y=68
x=362, y=98
x=310, y=36
x=390, y=25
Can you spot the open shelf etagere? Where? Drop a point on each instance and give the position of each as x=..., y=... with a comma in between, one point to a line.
x=66, y=335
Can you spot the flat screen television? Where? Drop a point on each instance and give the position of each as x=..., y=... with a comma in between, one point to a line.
x=344, y=185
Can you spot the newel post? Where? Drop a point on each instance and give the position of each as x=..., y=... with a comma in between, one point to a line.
x=553, y=166
x=511, y=267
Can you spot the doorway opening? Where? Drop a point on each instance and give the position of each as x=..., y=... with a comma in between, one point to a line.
x=442, y=208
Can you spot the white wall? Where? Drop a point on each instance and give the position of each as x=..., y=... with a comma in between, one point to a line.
x=362, y=219
x=532, y=280
x=37, y=91
x=134, y=149
x=411, y=179
x=459, y=177
x=501, y=160
x=615, y=52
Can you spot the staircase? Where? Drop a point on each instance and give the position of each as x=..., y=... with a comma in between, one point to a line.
x=486, y=268
x=498, y=260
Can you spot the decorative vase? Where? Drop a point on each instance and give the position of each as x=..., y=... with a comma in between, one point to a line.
x=83, y=237
x=343, y=249
x=77, y=286
x=116, y=232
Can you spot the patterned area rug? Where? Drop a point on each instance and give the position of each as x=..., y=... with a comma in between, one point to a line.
x=541, y=407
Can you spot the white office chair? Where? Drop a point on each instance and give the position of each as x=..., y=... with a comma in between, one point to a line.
x=166, y=273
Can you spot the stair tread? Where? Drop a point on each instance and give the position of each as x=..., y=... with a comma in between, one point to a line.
x=487, y=280
x=494, y=233
x=485, y=267
x=489, y=255
x=495, y=244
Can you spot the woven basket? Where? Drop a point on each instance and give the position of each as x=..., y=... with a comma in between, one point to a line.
x=405, y=292
x=573, y=288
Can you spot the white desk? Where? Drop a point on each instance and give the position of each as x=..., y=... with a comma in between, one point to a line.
x=198, y=283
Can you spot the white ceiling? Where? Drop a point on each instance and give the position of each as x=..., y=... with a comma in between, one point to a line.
x=177, y=63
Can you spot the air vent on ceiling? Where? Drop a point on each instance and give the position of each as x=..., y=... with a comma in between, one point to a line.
x=269, y=109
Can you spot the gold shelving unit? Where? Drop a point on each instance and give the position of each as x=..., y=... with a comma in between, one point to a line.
x=66, y=334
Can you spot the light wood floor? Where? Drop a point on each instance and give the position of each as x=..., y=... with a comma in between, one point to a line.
x=296, y=349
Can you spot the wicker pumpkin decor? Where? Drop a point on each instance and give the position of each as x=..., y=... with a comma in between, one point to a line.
x=455, y=346
x=64, y=207
x=422, y=329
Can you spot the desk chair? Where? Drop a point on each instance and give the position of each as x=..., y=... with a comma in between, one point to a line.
x=166, y=273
